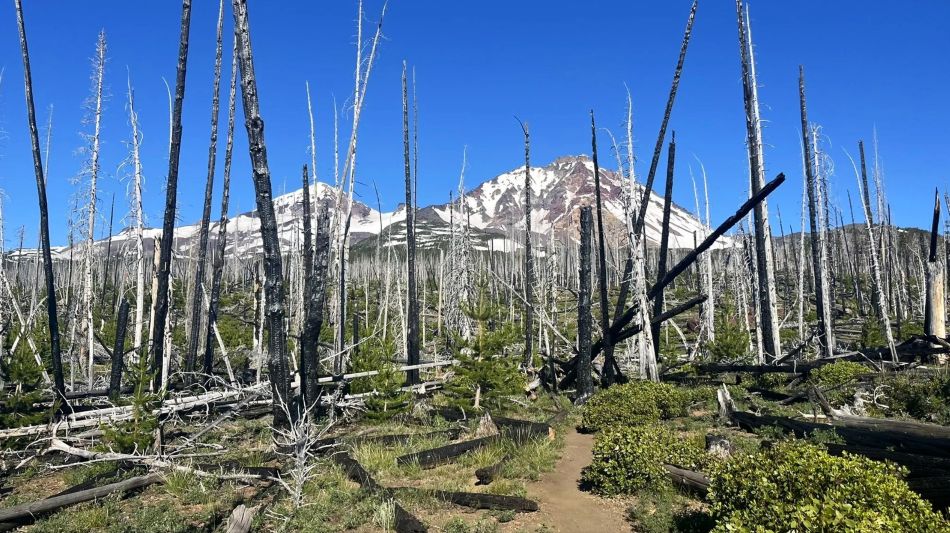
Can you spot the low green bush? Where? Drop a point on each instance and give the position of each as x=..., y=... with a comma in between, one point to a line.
x=637, y=402
x=631, y=458
x=925, y=398
x=797, y=486
x=841, y=377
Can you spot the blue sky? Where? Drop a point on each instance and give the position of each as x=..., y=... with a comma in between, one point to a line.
x=478, y=64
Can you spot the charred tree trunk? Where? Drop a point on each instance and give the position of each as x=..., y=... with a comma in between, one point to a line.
x=118, y=351
x=935, y=315
x=217, y=266
x=765, y=264
x=585, y=384
x=658, y=300
x=163, y=272
x=825, y=336
x=309, y=360
x=412, y=318
x=528, y=255
x=195, y=333
x=609, y=375
x=273, y=268
x=55, y=354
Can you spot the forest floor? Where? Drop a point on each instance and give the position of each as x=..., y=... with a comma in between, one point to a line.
x=564, y=505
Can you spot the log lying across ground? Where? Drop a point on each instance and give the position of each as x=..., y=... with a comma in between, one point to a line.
x=905, y=437
x=918, y=465
x=12, y=514
x=695, y=481
x=405, y=522
x=443, y=454
x=477, y=500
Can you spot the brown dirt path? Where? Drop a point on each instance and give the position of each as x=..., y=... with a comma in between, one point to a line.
x=564, y=507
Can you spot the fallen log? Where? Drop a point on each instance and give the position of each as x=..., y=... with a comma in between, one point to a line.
x=695, y=481
x=405, y=522
x=443, y=454
x=11, y=514
x=935, y=489
x=522, y=430
x=477, y=500
x=918, y=465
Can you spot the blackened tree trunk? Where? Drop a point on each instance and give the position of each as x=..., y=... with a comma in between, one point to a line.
x=195, y=332
x=309, y=361
x=609, y=375
x=306, y=341
x=118, y=351
x=824, y=326
x=661, y=267
x=764, y=254
x=648, y=186
x=585, y=383
x=163, y=272
x=412, y=318
x=55, y=354
x=273, y=269
x=528, y=256
x=217, y=266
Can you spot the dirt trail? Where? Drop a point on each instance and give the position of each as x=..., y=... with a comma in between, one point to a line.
x=564, y=507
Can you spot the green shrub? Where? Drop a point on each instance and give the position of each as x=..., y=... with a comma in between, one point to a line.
x=628, y=459
x=796, y=486
x=839, y=376
x=637, y=402
x=135, y=434
x=925, y=398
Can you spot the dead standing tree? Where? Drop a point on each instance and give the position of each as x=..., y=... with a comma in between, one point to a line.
x=163, y=272
x=825, y=334
x=412, y=318
x=658, y=300
x=610, y=373
x=55, y=353
x=585, y=384
x=528, y=255
x=765, y=264
x=196, y=294
x=273, y=268
x=935, y=315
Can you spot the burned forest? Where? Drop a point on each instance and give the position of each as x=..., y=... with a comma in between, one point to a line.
x=561, y=347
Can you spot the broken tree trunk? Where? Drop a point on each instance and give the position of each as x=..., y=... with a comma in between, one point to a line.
x=58, y=502
x=585, y=382
x=528, y=257
x=273, y=267
x=608, y=376
x=118, y=351
x=935, y=315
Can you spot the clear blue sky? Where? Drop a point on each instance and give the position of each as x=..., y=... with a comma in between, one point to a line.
x=478, y=64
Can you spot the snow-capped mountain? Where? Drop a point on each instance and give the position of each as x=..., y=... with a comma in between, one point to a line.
x=495, y=214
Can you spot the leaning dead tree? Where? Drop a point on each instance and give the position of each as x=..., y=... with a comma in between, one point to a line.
x=765, y=264
x=277, y=365
x=53, y=323
x=163, y=270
